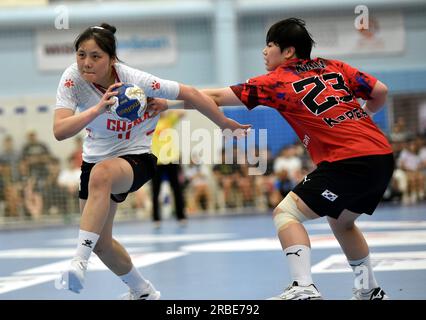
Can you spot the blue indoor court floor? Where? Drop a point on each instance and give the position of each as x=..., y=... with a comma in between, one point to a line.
x=234, y=257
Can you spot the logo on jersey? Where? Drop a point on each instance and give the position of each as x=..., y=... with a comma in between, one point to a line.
x=329, y=195
x=69, y=83
x=305, y=179
x=155, y=85
x=306, y=140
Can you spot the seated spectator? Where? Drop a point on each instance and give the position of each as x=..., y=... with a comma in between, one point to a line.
x=54, y=196
x=9, y=180
x=227, y=175
x=264, y=181
x=37, y=156
x=30, y=191
x=289, y=161
x=197, y=187
x=410, y=162
x=282, y=186
x=69, y=180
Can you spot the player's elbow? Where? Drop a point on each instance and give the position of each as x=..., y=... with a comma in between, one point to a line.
x=384, y=89
x=187, y=93
x=58, y=134
x=380, y=90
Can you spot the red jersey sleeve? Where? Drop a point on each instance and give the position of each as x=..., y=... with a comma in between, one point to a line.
x=256, y=91
x=360, y=83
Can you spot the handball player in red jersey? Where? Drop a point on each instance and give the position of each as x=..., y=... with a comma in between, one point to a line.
x=318, y=98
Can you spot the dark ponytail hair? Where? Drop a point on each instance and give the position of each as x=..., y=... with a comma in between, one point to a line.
x=103, y=36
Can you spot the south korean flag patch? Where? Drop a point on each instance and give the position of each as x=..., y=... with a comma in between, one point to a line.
x=329, y=195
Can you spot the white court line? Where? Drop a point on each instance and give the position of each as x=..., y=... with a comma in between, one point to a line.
x=49, y=272
x=383, y=261
x=160, y=238
x=40, y=253
x=318, y=241
x=401, y=224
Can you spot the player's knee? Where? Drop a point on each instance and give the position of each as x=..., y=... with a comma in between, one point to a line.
x=287, y=213
x=337, y=225
x=99, y=178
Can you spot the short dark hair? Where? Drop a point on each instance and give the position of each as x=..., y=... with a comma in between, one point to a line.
x=103, y=36
x=291, y=32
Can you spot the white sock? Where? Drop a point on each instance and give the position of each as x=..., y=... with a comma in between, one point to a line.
x=363, y=272
x=299, y=261
x=86, y=243
x=134, y=280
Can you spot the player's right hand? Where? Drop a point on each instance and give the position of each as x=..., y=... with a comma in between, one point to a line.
x=108, y=99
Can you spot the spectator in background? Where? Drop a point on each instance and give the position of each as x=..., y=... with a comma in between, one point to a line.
x=227, y=175
x=245, y=182
x=37, y=156
x=264, y=181
x=288, y=160
x=168, y=166
x=69, y=180
x=410, y=162
x=400, y=133
x=197, y=186
x=9, y=180
x=54, y=195
x=11, y=157
x=77, y=153
x=31, y=192
x=422, y=153
x=282, y=186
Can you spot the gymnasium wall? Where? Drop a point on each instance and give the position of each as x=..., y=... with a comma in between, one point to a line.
x=218, y=43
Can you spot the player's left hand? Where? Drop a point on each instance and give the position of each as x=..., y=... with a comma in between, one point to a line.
x=155, y=106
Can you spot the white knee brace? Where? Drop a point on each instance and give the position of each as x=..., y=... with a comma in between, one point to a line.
x=288, y=213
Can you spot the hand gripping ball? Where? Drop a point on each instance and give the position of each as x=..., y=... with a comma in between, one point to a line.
x=130, y=103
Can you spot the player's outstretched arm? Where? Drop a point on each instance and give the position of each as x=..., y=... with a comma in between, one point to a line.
x=378, y=98
x=223, y=96
x=67, y=124
x=207, y=106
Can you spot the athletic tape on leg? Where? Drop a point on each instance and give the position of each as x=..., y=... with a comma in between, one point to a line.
x=289, y=213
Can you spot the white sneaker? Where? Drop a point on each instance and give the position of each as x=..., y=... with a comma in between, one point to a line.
x=296, y=292
x=373, y=294
x=73, y=278
x=148, y=293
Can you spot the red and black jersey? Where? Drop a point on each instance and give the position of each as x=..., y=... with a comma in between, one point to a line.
x=318, y=99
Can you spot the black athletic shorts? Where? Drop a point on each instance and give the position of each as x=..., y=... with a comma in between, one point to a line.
x=356, y=184
x=144, y=166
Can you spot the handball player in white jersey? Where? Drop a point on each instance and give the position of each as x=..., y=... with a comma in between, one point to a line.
x=117, y=156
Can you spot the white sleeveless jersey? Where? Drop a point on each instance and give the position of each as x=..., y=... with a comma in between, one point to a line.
x=107, y=137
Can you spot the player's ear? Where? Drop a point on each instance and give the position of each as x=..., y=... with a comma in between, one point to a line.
x=289, y=52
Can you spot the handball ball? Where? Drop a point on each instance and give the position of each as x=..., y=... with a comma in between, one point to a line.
x=130, y=103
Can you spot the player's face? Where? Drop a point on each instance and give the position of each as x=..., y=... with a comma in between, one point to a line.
x=93, y=63
x=273, y=56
